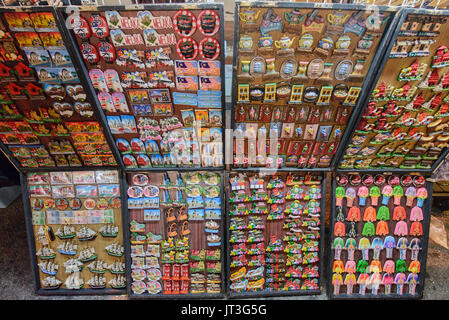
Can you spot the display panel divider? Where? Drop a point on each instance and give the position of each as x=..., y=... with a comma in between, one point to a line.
x=322, y=243
x=425, y=243
x=84, y=74
x=127, y=242
x=32, y=245
x=382, y=47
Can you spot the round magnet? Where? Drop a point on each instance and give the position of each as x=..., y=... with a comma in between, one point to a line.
x=343, y=70
x=184, y=23
x=340, y=91
x=283, y=90
x=288, y=68
x=367, y=180
x=61, y=204
x=135, y=192
x=89, y=53
x=311, y=94
x=107, y=51
x=315, y=69
x=256, y=92
x=406, y=181
x=354, y=179
x=115, y=203
x=394, y=180
x=187, y=48
x=37, y=204
x=419, y=181
x=208, y=22
x=81, y=27
x=140, y=179
x=102, y=204
x=89, y=204
x=75, y=204
x=379, y=179
x=151, y=191
x=49, y=203
x=99, y=26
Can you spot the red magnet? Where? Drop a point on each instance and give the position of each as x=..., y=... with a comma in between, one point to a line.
x=209, y=48
x=89, y=52
x=107, y=51
x=81, y=28
x=187, y=48
x=99, y=26
x=184, y=23
x=208, y=22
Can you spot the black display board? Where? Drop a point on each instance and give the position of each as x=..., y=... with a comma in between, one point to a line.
x=414, y=27
x=49, y=230
x=171, y=11
x=296, y=283
x=325, y=23
x=49, y=128
x=197, y=238
x=378, y=265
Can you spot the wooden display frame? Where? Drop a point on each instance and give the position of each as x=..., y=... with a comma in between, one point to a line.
x=91, y=92
x=424, y=241
x=257, y=5
x=97, y=115
x=266, y=293
x=38, y=275
x=128, y=258
x=377, y=76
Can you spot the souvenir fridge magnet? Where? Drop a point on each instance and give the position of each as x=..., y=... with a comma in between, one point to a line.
x=99, y=26
x=305, y=43
x=81, y=27
x=106, y=51
x=187, y=48
x=324, y=46
x=248, y=18
x=89, y=53
x=208, y=22
x=184, y=23
x=209, y=48
x=293, y=21
x=284, y=46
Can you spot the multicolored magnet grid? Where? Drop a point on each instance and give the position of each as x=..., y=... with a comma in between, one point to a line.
x=76, y=217
x=46, y=119
x=158, y=79
x=176, y=233
x=274, y=232
x=405, y=124
x=377, y=235
x=299, y=76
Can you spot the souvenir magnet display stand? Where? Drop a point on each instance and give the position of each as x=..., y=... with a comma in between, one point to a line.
x=299, y=73
x=48, y=121
x=74, y=218
x=379, y=232
x=157, y=72
x=404, y=124
x=275, y=229
x=175, y=246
